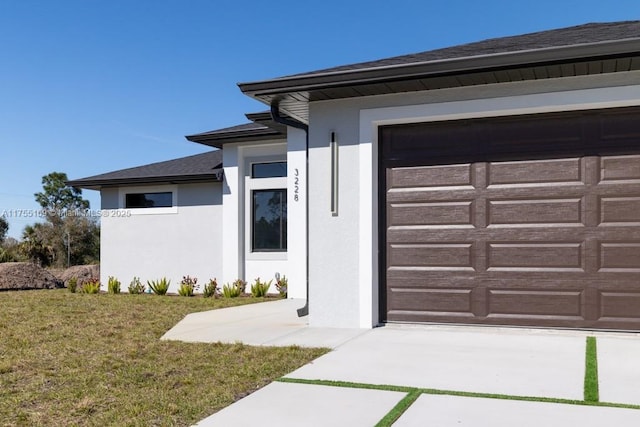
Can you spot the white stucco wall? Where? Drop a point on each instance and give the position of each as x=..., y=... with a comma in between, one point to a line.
x=343, y=271
x=297, y=218
x=239, y=262
x=163, y=242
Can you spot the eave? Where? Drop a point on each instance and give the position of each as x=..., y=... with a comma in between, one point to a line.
x=293, y=93
x=97, y=184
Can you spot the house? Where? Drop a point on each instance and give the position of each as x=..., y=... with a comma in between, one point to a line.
x=493, y=183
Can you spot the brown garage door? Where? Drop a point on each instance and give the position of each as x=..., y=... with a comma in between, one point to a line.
x=533, y=220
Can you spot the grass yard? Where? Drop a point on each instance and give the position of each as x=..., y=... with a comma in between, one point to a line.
x=76, y=359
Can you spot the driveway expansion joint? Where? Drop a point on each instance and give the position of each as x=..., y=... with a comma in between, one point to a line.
x=414, y=392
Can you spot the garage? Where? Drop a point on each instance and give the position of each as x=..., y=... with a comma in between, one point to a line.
x=525, y=220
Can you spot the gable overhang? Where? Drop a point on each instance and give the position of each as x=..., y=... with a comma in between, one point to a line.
x=293, y=93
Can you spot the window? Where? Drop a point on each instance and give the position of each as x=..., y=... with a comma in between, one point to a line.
x=269, y=170
x=149, y=200
x=269, y=220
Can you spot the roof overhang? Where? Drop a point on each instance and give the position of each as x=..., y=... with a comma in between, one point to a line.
x=293, y=93
x=97, y=184
x=262, y=128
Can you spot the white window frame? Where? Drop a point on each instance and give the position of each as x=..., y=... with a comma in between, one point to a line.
x=251, y=184
x=173, y=189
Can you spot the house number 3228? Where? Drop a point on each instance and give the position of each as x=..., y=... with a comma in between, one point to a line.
x=296, y=185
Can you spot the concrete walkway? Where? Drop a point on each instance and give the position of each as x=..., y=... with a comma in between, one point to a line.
x=448, y=375
x=273, y=323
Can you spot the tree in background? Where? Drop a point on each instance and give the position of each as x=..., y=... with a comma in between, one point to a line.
x=58, y=196
x=33, y=244
x=4, y=228
x=5, y=254
x=11, y=251
x=69, y=235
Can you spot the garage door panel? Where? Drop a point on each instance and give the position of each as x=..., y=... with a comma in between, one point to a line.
x=537, y=224
x=429, y=177
x=434, y=255
x=620, y=168
x=619, y=308
x=536, y=211
x=431, y=213
x=619, y=210
x=619, y=257
x=542, y=256
x=433, y=300
x=534, y=302
x=398, y=277
x=550, y=171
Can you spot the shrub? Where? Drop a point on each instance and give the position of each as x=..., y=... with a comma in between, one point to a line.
x=260, y=289
x=113, y=286
x=188, y=286
x=159, y=287
x=72, y=285
x=210, y=289
x=91, y=286
x=282, y=284
x=6, y=256
x=136, y=287
x=241, y=285
x=235, y=289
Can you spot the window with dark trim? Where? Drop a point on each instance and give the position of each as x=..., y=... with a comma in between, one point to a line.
x=269, y=170
x=269, y=220
x=149, y=200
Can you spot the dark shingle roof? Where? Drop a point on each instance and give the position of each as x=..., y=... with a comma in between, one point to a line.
x=571, y=36
x=200, y=167
x=595, y=48
x=246, y=127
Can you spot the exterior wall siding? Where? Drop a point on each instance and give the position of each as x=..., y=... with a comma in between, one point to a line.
x=172, y=245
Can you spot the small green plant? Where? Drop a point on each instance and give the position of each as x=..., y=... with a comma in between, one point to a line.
x=210, y=289
x=241, y=285
x=188, y=286
x=159, y=287
x=260, y=289
x=282, y=284
x=113, y=285
x=91, y=286
x=136, y=286
x=72, y=285
x=235, y=289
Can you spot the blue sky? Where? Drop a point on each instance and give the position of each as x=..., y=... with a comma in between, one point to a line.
x=91, y=86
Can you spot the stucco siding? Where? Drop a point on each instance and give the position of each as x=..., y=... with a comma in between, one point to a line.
x=151, y=246
x=334, y=247
x=109, y=198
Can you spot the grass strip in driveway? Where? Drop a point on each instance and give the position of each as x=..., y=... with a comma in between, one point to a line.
x=397, y=411
x=591, y=393
x=434, y=391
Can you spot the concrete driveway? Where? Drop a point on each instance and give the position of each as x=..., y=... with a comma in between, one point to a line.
x=426, y=375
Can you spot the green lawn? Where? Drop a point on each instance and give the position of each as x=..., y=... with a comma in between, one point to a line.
x=75, y=359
